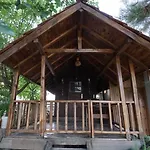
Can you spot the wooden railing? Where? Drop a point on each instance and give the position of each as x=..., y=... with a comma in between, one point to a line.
x=64, y=122
x=112, y=113
x=75, y=116
x=25, y=116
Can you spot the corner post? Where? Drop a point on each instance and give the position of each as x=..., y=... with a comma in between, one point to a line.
x=42, y=97
x=12, y=99
x=135, y=96
x=122, y=95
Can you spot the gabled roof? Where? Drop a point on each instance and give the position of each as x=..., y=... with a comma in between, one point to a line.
x=97, y=30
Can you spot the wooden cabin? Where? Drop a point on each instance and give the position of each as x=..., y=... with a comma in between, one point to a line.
x=96, y=65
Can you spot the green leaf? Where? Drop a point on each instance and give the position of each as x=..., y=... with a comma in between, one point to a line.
x=5, y=29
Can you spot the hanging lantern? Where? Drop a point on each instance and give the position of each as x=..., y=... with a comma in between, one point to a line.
x=77, y=63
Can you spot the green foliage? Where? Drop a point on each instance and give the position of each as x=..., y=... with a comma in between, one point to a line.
x=137, y=14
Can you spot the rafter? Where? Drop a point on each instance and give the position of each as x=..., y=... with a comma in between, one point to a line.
x=117, y=26
x=26, y=59
x=60, y=36
x=95, y=47
x=39, y=46
x=136, y=61
x=39, y=31
x=99, y=37
x=104, y=51
x=109, y=77
x=95, y=58
x=122, y=49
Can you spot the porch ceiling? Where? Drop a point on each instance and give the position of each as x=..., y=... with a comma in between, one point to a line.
x=98, y=31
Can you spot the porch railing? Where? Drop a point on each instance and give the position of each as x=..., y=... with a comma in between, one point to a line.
x=74, y=116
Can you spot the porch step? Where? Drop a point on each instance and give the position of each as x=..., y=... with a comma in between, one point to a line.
x=67, y=144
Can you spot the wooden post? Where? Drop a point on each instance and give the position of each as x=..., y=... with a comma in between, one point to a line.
x=12, y=99
x=122, y=95
x=42, y=96
x=135, y=96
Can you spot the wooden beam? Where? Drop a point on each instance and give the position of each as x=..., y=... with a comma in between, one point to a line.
x=124, y=47
x=42, y=95
x=67, y=59
x=139, y=63
x=12, y=99
x=122, y=95
x=59, y=37
x=95, y=58
x=103, y=51
x=80, y=29
x=39, y=46
x=26, y=59
x=117, y=26
x=50, y=55
x=99, y=37
x=136, y=99
x=95, y=48
x=109, y=77
x=39, y=31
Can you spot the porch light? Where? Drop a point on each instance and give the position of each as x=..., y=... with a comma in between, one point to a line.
x=77, y=63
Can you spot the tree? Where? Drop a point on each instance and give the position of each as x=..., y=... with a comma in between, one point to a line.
x=137, y=15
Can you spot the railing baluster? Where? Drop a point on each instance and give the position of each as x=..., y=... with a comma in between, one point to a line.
x=131, y=116
x=28, y=115
x=19, y=115
x=89, y=115
x=66, y=116
x=119, y=113
x=101, y=116
x=110, y=116
x=92, y=120
x=51, y=115
x=75, y=117
x=83, y=125
x=36, y=116
x=57, y=116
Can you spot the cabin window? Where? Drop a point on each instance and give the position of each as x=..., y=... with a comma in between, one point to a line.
x=75, y=87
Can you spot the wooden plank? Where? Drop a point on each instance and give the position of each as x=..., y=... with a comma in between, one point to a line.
x=28, y=116
x=42, y=96
x=12, y=99
x=132, y=117
x=66, y=116
x=119, y=114
x=101, y=116
x=99, y=37
x=135, y=96
x=39, y=31
x=60, y=36
x=63, y=62
x=92, y=120
x=89, y=116
x=80, y=29
x=39, y=46
x=19, y=115
x=110, y=116
x=139, y=63
x=117, y=26
x=36, y=116
x=51, y=116
x=26, y=59
x=108, y=76
x=120, y=50
x=122, y=95
x=80, y=50
x=75, y=117
x=57, y=117
x=83, y=120
x=98, y=59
